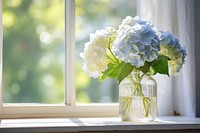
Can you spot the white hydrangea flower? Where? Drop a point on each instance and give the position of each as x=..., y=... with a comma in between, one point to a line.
x=136, y=42
x=94, y=56
x=171, y=47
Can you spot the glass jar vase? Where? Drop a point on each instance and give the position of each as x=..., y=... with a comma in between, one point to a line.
x=138, y=97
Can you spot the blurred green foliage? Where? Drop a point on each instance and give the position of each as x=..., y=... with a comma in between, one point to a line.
x=33, y=49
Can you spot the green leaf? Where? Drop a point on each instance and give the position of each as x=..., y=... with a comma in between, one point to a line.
x=124, y=70
x=111, y=72
x=163, y=56
x=145, y=68
x=160, y=65
x=153, y=72
x=102, y=78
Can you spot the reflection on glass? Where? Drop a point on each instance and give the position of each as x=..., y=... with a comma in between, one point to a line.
x=33, y=51
x=92, y=15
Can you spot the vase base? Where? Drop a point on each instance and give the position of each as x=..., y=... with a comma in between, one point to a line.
x=139, y=120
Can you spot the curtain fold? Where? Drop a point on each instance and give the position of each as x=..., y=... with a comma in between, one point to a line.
x=177, y=16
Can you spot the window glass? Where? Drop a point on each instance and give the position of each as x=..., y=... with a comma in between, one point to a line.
x=33, y=51
x=92, y=15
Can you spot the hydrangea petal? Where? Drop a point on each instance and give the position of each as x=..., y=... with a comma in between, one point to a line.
x=94, y=55
x=139, y=40
x=171, y=47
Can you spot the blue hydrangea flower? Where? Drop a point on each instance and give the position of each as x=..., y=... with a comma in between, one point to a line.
x=136, y=42
x=171, y=47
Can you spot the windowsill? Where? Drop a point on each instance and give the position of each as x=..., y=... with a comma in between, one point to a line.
x=97, y=125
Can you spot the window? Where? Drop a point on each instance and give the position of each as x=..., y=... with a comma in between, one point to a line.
x=39, y=61
x=161, y=13
x=98, y=15
x=33, y=51
x=60, y=48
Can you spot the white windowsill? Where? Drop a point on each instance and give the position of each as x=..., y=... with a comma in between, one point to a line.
x=96, y=124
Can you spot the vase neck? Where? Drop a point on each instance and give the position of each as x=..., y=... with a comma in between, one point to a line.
x=135, y=72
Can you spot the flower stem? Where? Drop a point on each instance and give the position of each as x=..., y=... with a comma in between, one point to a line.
x=137, y=88
x=109, y=48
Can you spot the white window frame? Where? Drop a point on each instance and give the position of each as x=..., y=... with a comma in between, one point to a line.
x=69, y=109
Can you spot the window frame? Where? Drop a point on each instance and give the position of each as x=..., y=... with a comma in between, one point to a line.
x=69, y=108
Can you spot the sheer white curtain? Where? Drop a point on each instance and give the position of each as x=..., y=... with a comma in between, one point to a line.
x=174, y=93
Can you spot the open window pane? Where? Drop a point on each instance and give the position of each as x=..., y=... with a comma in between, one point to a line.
x=33, y=51
x=92, y=15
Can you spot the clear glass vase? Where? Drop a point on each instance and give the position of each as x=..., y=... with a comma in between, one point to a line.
x=138, y=98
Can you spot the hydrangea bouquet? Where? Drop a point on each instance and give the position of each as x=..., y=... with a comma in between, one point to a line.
x=136, y=46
